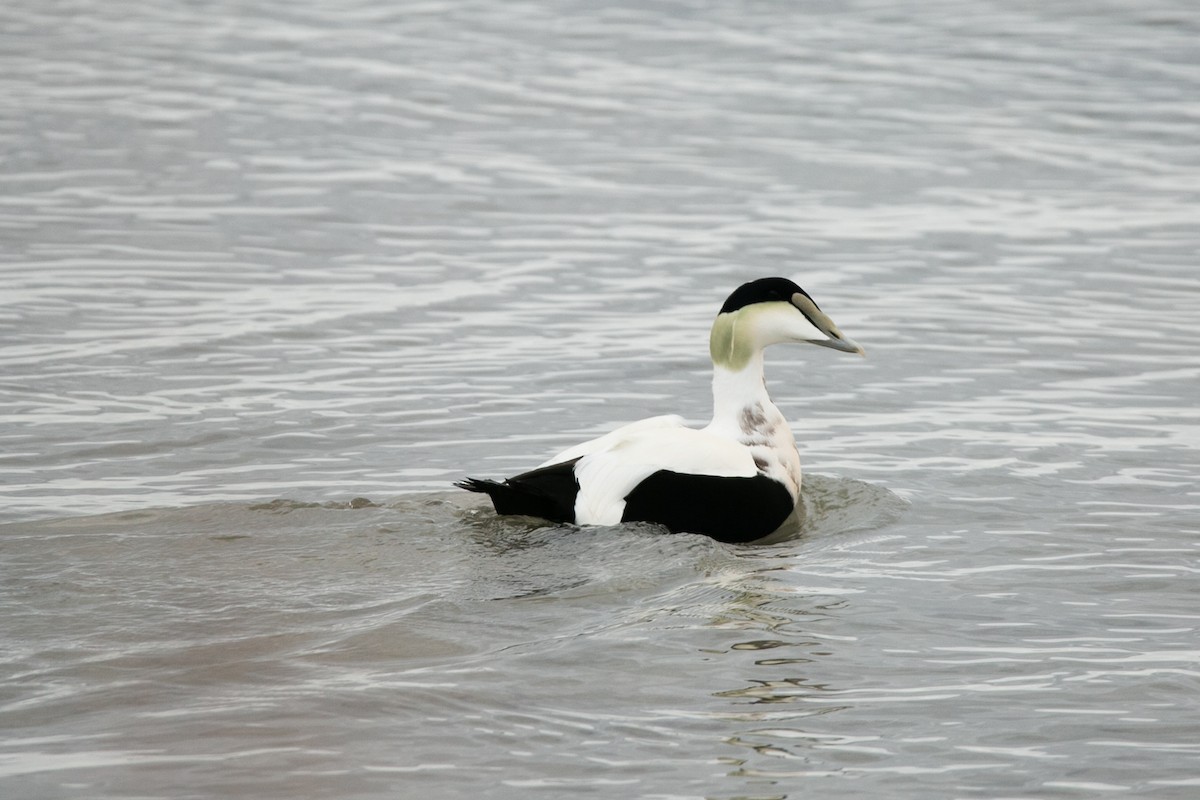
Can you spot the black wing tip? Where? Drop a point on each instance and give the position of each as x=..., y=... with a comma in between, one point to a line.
x=546, y=492
x=476, y=485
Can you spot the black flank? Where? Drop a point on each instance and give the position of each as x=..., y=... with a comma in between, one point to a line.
x=727, y=509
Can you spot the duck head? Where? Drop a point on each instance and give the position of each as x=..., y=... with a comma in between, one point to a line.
x=769, y=311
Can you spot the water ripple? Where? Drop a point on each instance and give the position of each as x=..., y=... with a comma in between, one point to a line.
x=266, y=260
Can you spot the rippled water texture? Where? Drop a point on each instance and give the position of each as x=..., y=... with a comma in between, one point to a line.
x=274, y=274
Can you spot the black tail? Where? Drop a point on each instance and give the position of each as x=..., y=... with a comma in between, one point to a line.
x=547, y=492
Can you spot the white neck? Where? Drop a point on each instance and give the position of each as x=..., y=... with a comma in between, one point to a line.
x=737, y=393
x=743, y=411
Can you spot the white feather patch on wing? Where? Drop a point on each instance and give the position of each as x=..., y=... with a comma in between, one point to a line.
x=607, y=476
x=623, y=433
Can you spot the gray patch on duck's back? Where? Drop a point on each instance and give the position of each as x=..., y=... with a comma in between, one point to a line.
x=760, y=463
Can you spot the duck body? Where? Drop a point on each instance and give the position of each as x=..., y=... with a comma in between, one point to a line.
x=737, y=479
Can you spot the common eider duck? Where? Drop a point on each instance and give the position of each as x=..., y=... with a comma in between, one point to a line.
x=736, y=480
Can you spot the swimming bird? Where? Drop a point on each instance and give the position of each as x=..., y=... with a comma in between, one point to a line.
x=736, y=480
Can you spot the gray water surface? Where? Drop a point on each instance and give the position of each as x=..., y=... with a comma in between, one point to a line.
x=273, y=275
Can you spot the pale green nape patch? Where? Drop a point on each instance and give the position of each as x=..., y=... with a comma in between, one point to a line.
x=731, y=344
x=724, y=345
